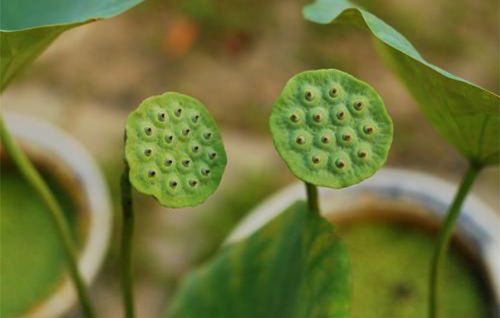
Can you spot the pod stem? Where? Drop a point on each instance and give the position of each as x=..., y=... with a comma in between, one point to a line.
x=312, y=198
x=126, y=243
x=31, y=175
x=445, y=234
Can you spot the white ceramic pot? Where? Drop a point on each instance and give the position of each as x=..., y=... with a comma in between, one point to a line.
x=50, y=145
x=478, y=225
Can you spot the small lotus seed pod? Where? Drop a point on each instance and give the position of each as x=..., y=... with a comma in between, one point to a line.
x=174, y=150
x=347, y=134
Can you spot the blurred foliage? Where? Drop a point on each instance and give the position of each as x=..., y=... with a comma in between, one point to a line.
x=293, y=267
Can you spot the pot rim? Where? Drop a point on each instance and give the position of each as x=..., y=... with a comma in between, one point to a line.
x=478, y=223
x=75, y=158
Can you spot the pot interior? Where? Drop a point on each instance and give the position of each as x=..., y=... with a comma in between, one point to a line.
x=32, y=261
x=390, y=248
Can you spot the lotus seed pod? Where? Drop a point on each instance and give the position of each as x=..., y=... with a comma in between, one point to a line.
x=174, y=150
x=330, y=128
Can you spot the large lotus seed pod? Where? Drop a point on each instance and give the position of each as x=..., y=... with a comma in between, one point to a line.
x=330, y=128
x=174, y=150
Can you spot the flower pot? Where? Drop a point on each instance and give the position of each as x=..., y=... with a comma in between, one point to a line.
x=414, y=203
x=82, y=191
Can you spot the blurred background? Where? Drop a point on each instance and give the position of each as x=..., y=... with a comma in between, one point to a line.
x=235, y=56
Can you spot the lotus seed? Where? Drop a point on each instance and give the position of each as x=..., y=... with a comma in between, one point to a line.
x=195, y=118
x=148, y=131
x=368, y=130
x=178, y=112
x=340, y=163
x=151, y=173
x=193, y=183
x=186, y=162
x=148, y=152
x=207, y=135
x=316, y=160
x=169, y=162
x=294, y=118
x=162, y=116
x=340, y=115
x=317, y=117
x=361, y=154
x=186, y=131
x=301, y=140
x=325, y=139
x=346, y=137
x=173, y=183
x=212, y=155
x=195, y=148
x=205, y=171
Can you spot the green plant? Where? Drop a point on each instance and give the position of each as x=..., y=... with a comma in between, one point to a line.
x=26, y=29
x=466, y=115
x=174, y=152
x=332, y=130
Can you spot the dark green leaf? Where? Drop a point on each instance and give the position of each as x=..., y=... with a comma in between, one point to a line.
x=293, y=267
x=465, y=114
x=27, y=27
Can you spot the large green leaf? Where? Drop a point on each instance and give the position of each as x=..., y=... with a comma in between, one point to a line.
x=293, y=267
x=27, y=27
x=465, y=114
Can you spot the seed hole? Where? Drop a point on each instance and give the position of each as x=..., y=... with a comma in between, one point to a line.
x=317, y=117
x=294, y=118
x=333, y=92
x=186, y=162
x=186, y=131
x=169, y=162
x=358, y=105
x=205, y=171
x=173, y=183
x=193, y=183
x=212, y=155
x=169, y=138
x=195, y=118
x=361, y=154
x=340, y=115
x=148, y=131
x=300, y=140
x=325, y=139
x=162, y=116
x=178, y=112
x=195, y=148
x=316, y=159
x=308, y=95
x=340, y=163
x=368, y=130
x=346, y=137
x=207, y=135
x=148, y=152
x=151, y=173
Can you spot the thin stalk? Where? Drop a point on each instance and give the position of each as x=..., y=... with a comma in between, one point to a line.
x=126, y=243
x=312, y=198
x=445, y=234
x=33, y=177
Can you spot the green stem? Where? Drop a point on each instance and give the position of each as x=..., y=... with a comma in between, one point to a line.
x=33, y=177
x=312, y=198
x=445, y=234
x=126, y=243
